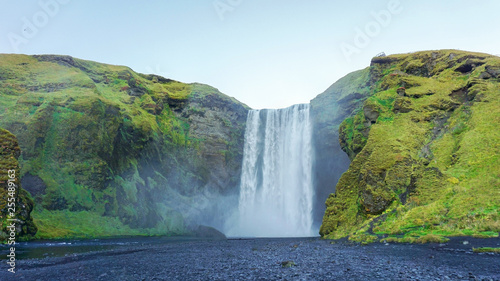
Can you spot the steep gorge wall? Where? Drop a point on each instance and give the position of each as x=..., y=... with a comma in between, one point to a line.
x=424, y=150
x=107, y=151
x=328, y=110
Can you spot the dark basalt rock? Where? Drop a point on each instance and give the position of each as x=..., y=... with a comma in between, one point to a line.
x=33, y=184
x=59, y=59
x=469, y=65
x=383, y=60
x=203, y=231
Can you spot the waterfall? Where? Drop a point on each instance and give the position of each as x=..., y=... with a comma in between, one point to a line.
x=276, y=192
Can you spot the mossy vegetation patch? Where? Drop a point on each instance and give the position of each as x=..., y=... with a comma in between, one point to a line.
x=428, y=166
x=108, y=144
x=486, y=250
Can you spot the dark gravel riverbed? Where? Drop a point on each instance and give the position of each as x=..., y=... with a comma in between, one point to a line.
x=257, y=259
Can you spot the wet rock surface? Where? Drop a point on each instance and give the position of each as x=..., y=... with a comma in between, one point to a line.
x=268, y=259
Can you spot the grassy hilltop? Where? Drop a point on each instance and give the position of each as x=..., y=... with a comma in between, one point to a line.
x=425, y=148
x=108, y=151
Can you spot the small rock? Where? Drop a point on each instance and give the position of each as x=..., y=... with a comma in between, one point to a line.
x=484, y=75
x=287, y=264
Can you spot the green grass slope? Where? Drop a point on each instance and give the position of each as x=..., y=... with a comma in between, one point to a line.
x=425, y=151
x=108, y=151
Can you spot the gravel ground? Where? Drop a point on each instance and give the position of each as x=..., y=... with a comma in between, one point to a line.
x=267, y=259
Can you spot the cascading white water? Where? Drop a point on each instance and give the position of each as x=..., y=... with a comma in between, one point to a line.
x=276, y=192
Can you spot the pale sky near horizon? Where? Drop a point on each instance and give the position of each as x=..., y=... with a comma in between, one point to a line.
x=267, y=54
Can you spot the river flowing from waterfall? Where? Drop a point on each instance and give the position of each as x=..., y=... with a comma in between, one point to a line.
x=276, y=192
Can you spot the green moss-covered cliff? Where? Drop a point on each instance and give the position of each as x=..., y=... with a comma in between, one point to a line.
x=422, y=134
x=108, y=151
x=328, y=110
x=15, y=203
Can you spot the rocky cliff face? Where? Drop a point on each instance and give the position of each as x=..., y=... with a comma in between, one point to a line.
x=328, y=110
x=15, y=203
x=424, y=150
x=107, y=151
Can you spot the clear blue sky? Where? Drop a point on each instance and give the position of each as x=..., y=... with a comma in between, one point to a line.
x=267, y=54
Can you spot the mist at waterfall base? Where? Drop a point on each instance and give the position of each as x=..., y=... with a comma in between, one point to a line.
x=276, y=191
